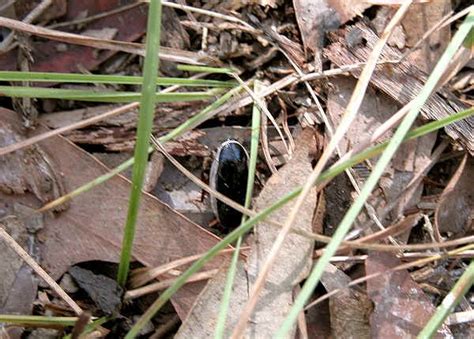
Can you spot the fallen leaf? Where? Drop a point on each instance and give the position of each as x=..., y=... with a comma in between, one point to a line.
x=202, y=319
x=402, y=81
x=317, y=17
x=382, y=19
x=349, y=309
x=401, y=307
x=418, y=20
x=104, y=291
x=18, y=285
x=92, y=227
x=67, y=58
x=29, y=169
x=293, y=261
x=454, y=213
x=411, y=157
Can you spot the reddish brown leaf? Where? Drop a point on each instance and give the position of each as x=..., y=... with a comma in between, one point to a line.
x=418, y=20
x=350, y=309
x=401, y=307
x=67, y=58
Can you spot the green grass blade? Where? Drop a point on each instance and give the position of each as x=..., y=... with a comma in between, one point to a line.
x=99, y=96
x=145, y=123
x=449, y=303
x=108, y=79
x=204, y=69
x=201, y=117
x=377, y=172
x=37, y=321
x=91, y=327
x=220, y=327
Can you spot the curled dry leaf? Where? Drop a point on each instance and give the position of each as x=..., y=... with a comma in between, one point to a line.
x=454, y=213
x=290, y=268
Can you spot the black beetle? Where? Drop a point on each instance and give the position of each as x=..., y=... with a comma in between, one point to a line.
x=228, y=176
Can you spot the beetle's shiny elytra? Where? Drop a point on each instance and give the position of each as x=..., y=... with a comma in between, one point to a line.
x=228, y=176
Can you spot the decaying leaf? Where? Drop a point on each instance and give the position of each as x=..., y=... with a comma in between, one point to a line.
x=202, y=319
x=401, y=307
x=290, y=268
x=18, y=284
x=104, y=291
x=294, y=259
x=454, y=213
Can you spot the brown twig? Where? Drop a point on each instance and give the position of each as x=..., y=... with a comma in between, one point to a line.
x=37, y=268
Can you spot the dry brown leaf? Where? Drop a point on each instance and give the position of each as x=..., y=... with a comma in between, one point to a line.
x=349, y=309
x=28, y=169
x=294, y=259
x=401, y=307
x=402, y=81
x=201, y=321
x=455, y=211
x=317, y=17
x=18, y=284
x=418, y=20
x=92, y=228
x=17, y=279
x=291, y=266
x=375, y=109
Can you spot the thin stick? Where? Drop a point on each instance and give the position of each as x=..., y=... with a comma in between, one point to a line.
x=83, y=123
x=162, y=285
x=36, y=12
x=80, y=124
x=205, y=12
x=94, y=17
x=37, y=268
x=394, y=269
x=113, y=45
x=140, y=277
